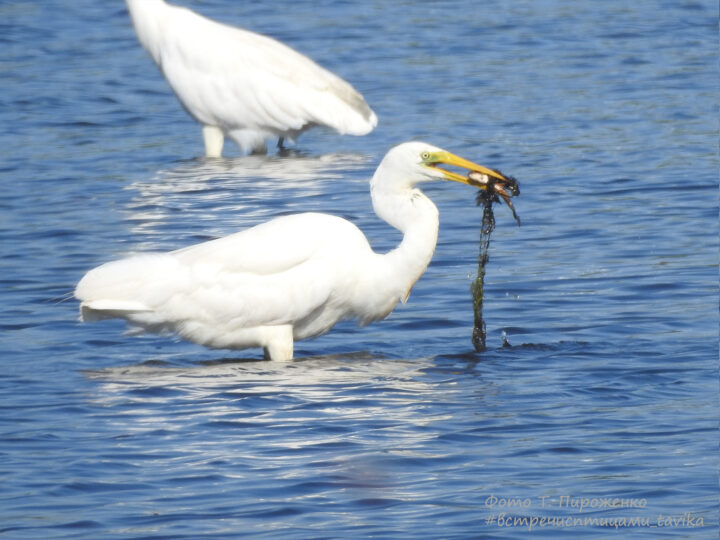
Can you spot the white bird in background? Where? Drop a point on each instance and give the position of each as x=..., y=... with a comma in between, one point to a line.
x=290, y=278
x=241, y=84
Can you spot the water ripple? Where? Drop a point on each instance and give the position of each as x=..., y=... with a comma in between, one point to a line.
x=607, y=293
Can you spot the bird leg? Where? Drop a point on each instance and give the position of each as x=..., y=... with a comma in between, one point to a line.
x=278, y=343
x=259, y=150
x=214, y=139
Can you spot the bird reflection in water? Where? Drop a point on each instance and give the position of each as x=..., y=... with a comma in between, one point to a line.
x=201, y=199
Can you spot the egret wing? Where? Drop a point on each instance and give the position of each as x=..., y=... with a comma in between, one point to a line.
x=269, y=248
x=275, y=273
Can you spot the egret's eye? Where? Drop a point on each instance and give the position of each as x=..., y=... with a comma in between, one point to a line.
x=425, y=156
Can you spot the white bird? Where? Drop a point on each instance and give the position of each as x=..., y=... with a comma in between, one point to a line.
x=244, y=85
x=290, y=278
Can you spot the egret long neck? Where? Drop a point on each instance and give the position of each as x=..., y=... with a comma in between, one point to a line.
x=415, y=215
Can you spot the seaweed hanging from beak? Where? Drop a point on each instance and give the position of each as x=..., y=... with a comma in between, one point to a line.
x=485, y=198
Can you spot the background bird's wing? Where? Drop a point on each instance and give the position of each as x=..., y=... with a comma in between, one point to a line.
x=219, y=71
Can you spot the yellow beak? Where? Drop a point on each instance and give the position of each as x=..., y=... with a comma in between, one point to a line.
x=446, y=158
x=505, y=188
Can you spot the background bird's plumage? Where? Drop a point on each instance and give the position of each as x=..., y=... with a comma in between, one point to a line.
x=250, y=86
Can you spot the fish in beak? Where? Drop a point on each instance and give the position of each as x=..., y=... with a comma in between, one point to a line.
x=490, y=180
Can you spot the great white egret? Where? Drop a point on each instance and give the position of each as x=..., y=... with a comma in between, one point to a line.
x=290, y=278
x=241, y=84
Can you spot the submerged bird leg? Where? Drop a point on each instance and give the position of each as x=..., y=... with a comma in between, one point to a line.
x=259, y=149
x=287, y=151
x=283, y=151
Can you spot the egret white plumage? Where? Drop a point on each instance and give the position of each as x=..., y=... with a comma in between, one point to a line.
x=241, y=84
x=290, y=278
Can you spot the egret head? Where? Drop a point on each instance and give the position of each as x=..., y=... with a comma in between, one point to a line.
x=421, y=162
x=433, y=159
x=411, y=163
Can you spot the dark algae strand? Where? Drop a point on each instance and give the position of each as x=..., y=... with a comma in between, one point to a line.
x=485, y=198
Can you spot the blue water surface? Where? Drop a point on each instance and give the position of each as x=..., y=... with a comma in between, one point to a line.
x=603, y=410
